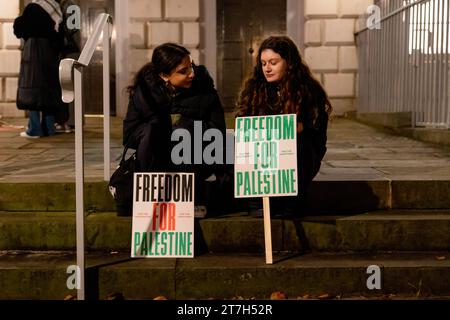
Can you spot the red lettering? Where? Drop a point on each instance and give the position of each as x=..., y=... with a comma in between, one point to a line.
x=172, y=210
x=162, y=216
x=154, y=216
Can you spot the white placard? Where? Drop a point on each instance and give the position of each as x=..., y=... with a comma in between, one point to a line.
x=266, y=156
x=163, y=215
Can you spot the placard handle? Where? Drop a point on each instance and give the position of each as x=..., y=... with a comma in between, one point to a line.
x=267, y=230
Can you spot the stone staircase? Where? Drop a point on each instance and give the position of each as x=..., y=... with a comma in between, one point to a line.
x=326, y=250
x=378, y=200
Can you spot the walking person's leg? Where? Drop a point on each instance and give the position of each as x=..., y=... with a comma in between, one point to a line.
x=48, y=124
x=34, y=126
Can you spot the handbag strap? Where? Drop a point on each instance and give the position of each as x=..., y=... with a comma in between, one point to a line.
x=124, y=155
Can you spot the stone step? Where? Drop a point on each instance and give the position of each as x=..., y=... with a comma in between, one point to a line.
x=392, y=230
x=325, y=196
x=43, y=275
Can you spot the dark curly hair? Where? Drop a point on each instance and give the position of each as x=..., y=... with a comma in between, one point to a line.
x=299, y=91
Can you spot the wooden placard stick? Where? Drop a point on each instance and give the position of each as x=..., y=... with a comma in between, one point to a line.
x=267, y=230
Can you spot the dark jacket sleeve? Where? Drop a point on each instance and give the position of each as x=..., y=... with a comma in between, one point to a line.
x=201, y=102
x=139, y=115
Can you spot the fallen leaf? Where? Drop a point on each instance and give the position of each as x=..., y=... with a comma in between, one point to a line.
x=278, y=295
x=440, y=258
x=160, y=298
x=306, y=296
x=115, y=296
x=70, y=297
x=325, y=296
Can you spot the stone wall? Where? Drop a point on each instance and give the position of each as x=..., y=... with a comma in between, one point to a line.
x=153, y=22
x=331, y=47
x=9, y=58
x=329, y=41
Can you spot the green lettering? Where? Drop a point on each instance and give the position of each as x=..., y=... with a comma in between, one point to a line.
x=182, y=243
x=256, y=155
x=238, y=129
x=163, y=243
x=137, y=242
x=286, y=181
x=293, y=180
x=156, y=243
x=254, y=129
x=269, y=128
x=254, y=183
x=239, y=182
x=247, y=191
x=289, y=125
x=247, y=127
x=144, y=244
x=277, y=133
x=170, y=243
x=266, y=184
x=259, y=182
x=189, y=244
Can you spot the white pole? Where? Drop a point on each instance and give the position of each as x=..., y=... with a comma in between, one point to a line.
x=267, y=230
x=79, y=178
x=106, y=104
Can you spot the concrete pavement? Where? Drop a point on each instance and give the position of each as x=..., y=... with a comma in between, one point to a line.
x=355, y=152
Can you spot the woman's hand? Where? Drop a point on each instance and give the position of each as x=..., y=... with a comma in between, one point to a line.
x=299, y=127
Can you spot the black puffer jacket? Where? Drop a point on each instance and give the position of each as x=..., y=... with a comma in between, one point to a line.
x=39, y=87
x=148, y=127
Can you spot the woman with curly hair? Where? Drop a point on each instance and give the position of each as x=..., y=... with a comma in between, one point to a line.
x=282, y=83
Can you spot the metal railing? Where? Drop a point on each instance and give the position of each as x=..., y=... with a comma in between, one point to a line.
x=70, y=73
x=404, y=66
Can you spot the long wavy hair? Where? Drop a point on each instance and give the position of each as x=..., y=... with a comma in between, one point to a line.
x=299, y=90
x=165, y=59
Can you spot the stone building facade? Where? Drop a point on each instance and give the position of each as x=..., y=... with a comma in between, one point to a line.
x=327, y=34
x=9, y=58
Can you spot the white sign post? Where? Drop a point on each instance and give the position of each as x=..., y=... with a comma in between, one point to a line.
x=163, y=215
x=266, y=162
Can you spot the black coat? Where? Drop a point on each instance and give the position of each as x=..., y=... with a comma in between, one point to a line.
x=148, y=126
x=39, y=87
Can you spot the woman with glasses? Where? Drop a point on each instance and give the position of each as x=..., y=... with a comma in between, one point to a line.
x=282, y=83
x=170, y=87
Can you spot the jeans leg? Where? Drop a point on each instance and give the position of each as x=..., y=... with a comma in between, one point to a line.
x=49, y=123
x=34, y=124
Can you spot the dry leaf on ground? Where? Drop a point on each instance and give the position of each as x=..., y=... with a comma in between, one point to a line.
x=278, y=295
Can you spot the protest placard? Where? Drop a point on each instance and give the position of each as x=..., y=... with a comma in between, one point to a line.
x=163, y=215
x=266, y=162
x=266, y=156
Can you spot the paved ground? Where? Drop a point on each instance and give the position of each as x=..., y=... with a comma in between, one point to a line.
x=355, y=152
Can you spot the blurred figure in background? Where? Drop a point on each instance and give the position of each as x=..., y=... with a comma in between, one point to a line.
x=39, y=90
x=64, y=119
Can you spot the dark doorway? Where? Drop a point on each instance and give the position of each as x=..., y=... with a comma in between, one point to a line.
x=241, y=27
